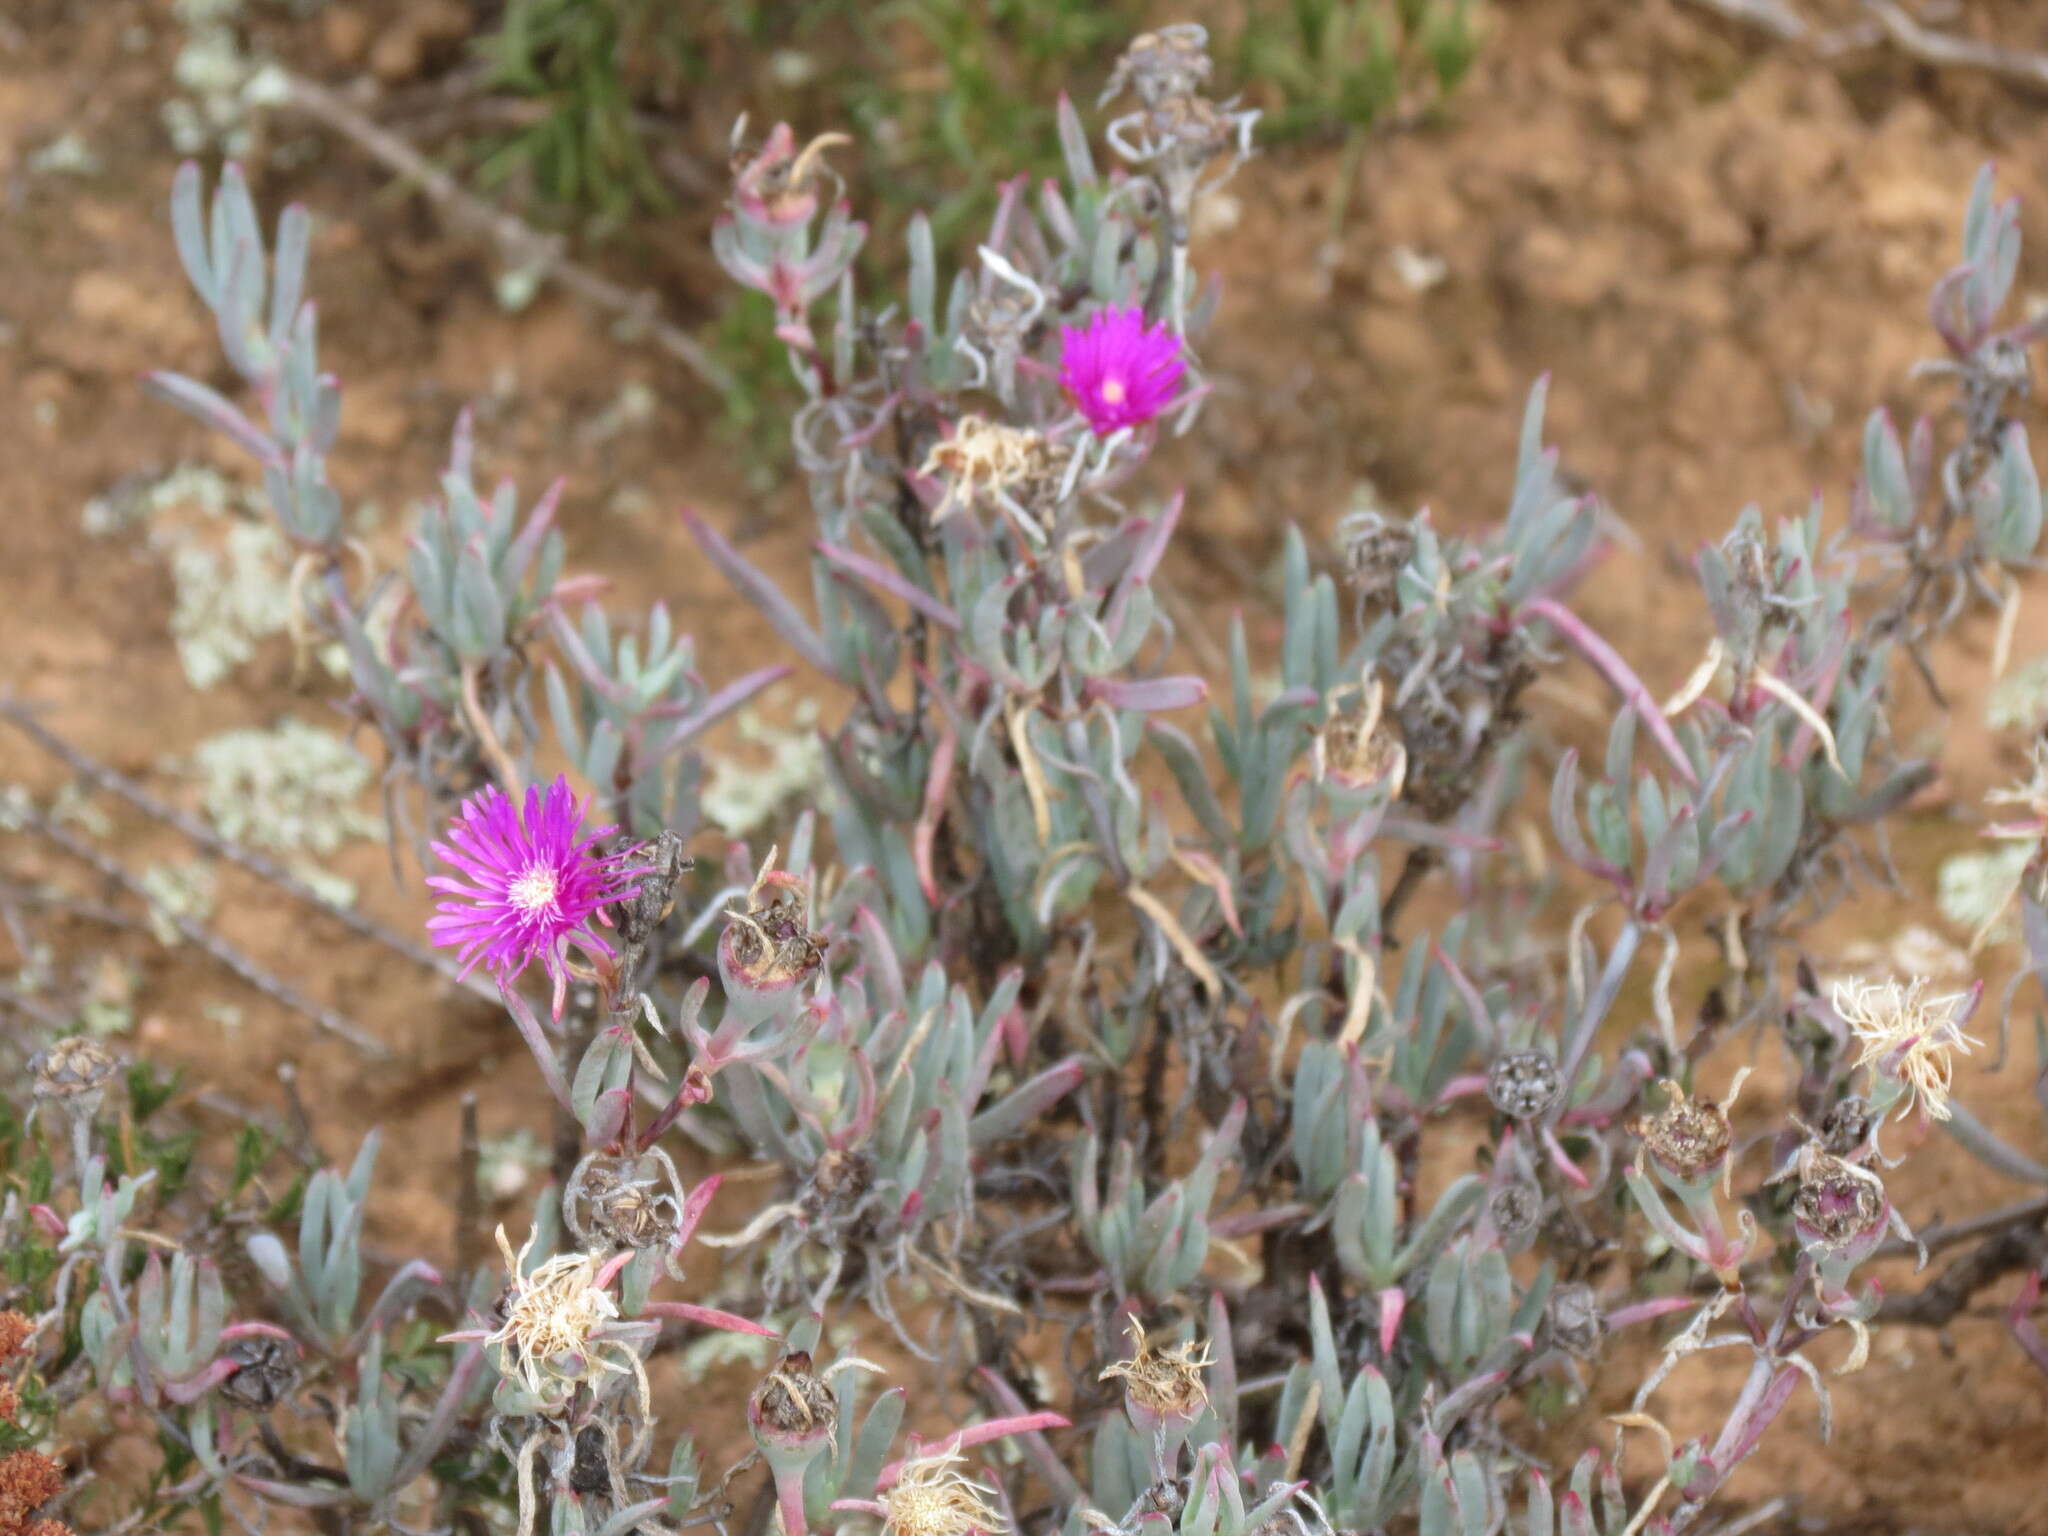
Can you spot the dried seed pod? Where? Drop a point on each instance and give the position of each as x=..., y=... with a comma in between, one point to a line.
x=1361, y=749
x=590, y=1468
x=1574, y=1320
x=770, y=946
x=617, y=1199
x=1523, y=1084
x=266, y=1372
x=791, y=1412
x=1689, y=1138
x=73, y=1070
x=1515, y=1208
x=1376, y=548
x=1159, y=66
x=1840, y=1207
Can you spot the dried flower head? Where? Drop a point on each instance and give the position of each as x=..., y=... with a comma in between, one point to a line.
x=1165, y=1385
x=1523, y=1084
x=1689, y=1138
x=28, y=1480
x=266, y=1371
x=1907, y=1036
x=621, y=1201
x=1839, y=1206
x=932, y=1497
x=527, y=887
x=990, y=459
x=551, y=1321
x=72, y=1069
x=769, y=943
x=791, y=1412
x=1174, y=61
x=1119, y=371
x=1360, y=748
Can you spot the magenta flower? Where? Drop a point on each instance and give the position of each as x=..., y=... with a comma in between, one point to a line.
x=526, y=888
x=1119, y=371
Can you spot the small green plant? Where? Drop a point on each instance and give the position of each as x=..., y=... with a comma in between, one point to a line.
x=1343, y=65
x=581, y=64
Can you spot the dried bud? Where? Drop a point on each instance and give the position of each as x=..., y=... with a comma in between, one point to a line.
x=1523, y=1084
x=768, y=950
x=1846, y=1130
x=1575, y=1321
x=791, y=1413
x=1159, y=66
x=73, y=1070
x=1515, y=1209
x=1361, y=750
x=1688, y=1138
x=931, y=1497
x=1162, y=1389
x=622, y=1200
x=1840, y=1211
x=1376, y=549
x=777, y=184
x=266, y=1371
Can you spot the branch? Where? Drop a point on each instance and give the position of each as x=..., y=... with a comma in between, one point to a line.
x=92, y=769
x=516, y=240
x=1947, y=51
x=201, y=938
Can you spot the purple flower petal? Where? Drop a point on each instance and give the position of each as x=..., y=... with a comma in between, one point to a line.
x=526, y=886
x=1118, y=371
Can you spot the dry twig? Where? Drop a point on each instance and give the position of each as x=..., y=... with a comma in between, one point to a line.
x=518, y=241
x=203, y=939
x=104, y=777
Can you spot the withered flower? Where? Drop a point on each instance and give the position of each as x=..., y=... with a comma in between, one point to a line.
x=768, y=946
x=1840, y=1208
x=990, y=459
x=1361, y=749
x=1162, y=1387
x=791, y=1412
x=932, y=1497
x=1689, y=1138
x=1907, y=1037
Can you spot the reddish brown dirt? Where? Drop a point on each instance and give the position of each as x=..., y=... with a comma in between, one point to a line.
x=1720, y=251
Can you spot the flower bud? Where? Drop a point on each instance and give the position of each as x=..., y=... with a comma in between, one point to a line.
x=1523, y=1085
x=1574, y=1320
x=791, y=1414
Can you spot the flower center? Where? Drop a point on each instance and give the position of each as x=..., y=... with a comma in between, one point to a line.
x=534, y=889
x=1113, y=390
